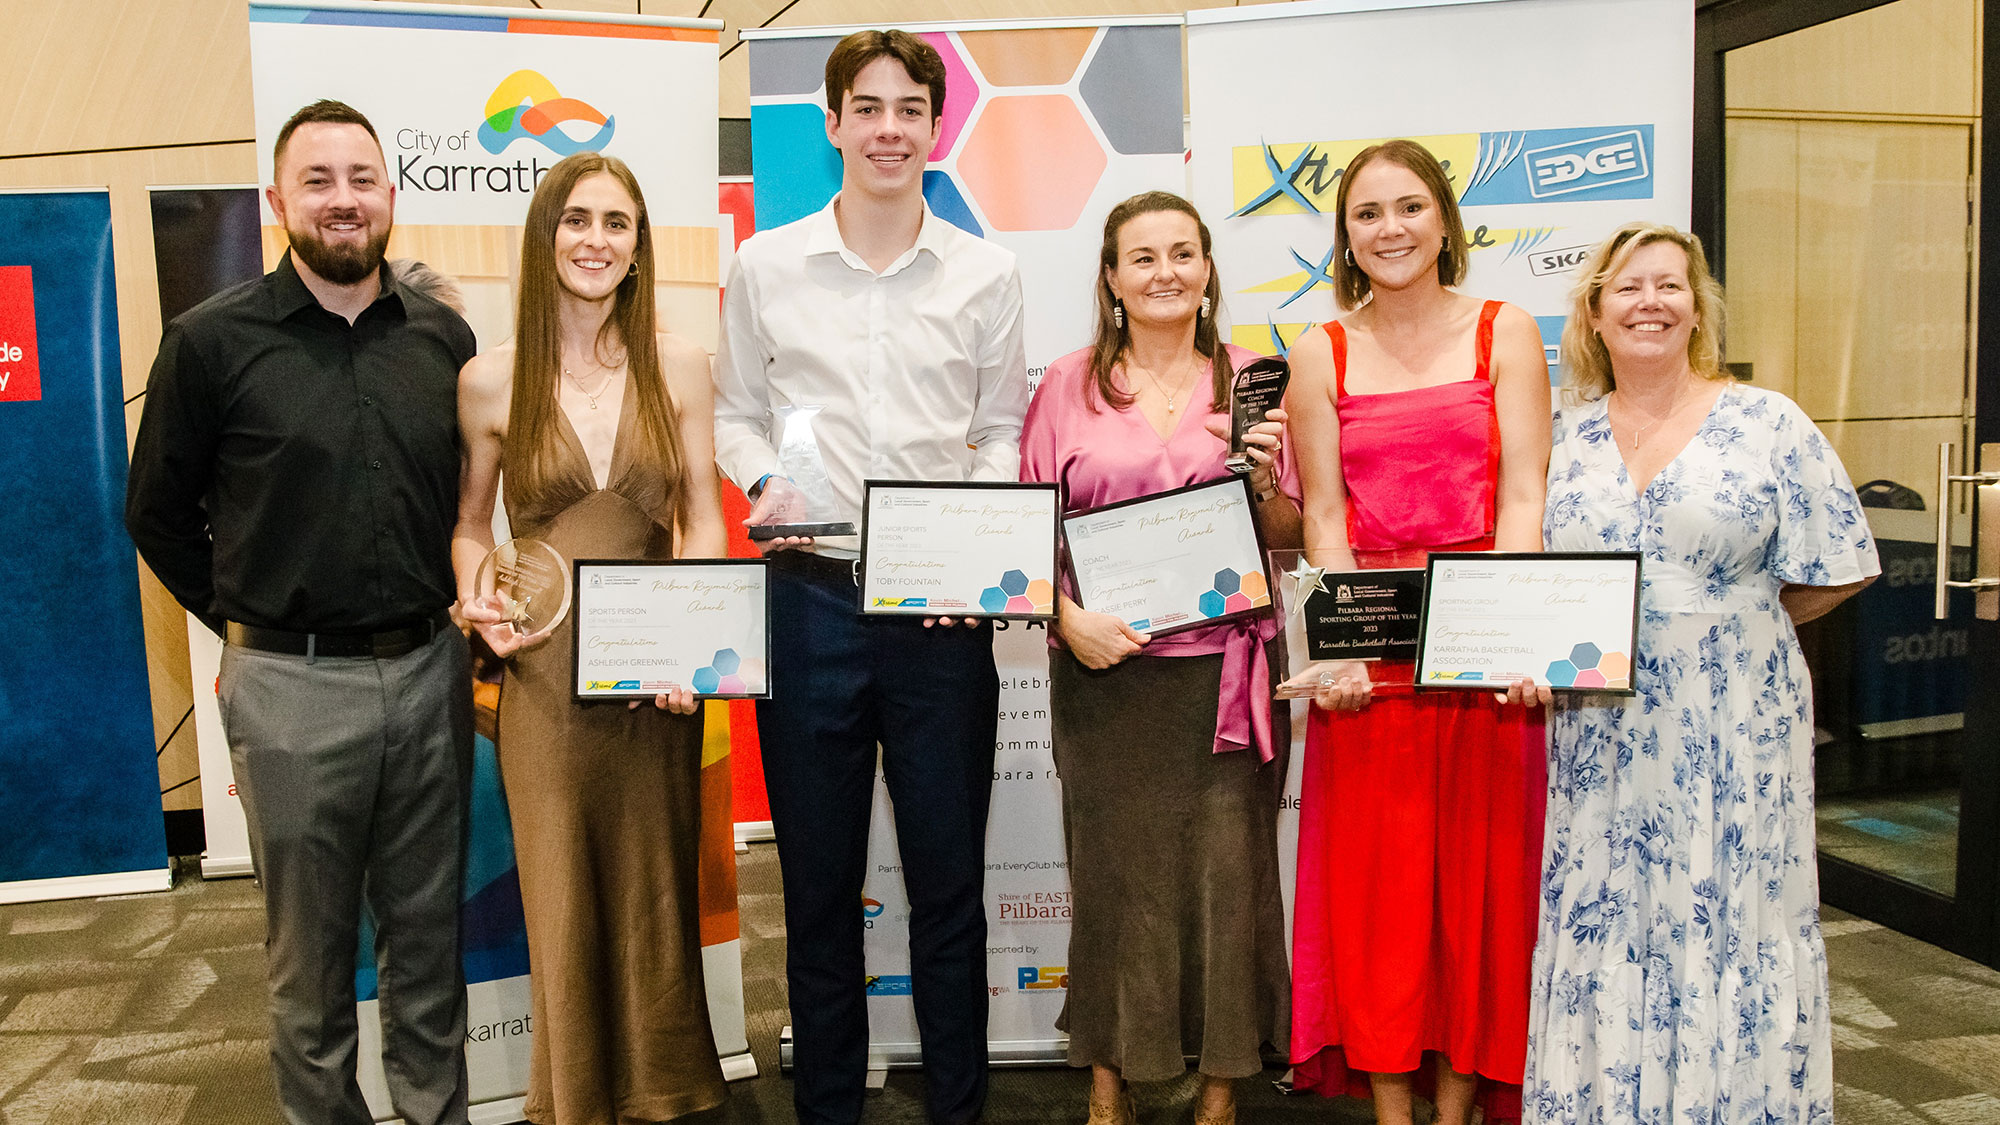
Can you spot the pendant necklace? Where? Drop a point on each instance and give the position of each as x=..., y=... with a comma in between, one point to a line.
x=1170, y=396
x=580, y=387
x=1672, y=409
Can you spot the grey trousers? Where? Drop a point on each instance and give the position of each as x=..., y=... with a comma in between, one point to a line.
x=355, y=776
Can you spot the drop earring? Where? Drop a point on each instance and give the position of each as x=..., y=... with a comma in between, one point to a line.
x=1349, y=255
x=1207, y=306
x=1118, y=313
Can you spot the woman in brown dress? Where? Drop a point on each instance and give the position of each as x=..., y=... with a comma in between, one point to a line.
x=604, y=431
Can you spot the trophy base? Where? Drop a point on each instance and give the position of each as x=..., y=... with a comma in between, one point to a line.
x=1240, y=463
x=788, y=530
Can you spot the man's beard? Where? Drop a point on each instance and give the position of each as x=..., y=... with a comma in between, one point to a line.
x=344, y=264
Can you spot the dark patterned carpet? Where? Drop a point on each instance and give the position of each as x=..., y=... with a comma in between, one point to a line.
x=148, y=1010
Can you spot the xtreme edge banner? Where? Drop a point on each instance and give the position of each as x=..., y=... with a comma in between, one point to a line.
x=1546, y=160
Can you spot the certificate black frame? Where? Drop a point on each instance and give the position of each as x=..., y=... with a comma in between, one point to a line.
x=1430, y=587
x=576, y=629
x=1256, y=530
x=868, y=488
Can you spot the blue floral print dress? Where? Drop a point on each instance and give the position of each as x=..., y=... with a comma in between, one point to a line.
x=1679, y=976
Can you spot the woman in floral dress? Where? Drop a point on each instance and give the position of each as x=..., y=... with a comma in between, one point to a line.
x=1680, y=978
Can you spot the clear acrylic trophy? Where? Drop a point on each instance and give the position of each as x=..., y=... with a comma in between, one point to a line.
x=801, y=500
x=532, y=581
x=1347, y=622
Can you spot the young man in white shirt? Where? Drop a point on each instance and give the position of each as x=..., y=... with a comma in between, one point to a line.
x=905, y=332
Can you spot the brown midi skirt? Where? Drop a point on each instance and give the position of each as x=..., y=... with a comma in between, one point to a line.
x=1177, y=942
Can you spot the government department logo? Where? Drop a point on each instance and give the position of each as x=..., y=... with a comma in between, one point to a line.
x=527, y=106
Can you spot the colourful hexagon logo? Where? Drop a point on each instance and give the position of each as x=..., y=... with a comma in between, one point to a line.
x=1590, y=667
x=1212, y=604
x=1255, y=590
x=961, y=93
x=1046, y=193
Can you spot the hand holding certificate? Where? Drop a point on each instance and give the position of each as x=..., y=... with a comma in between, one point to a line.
x=1569, y=621
x=644, y=628
x=981, y=549
x=1174, y=560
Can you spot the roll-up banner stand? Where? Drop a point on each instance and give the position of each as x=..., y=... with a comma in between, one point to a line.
x=79, y=793
x=472, y=106
x=1557, y=120
x=1046, y=125
x=205, y=239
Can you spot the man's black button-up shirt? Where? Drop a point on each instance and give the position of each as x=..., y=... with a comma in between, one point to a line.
x=293, y=471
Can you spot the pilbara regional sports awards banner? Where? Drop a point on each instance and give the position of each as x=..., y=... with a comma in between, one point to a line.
x=472, y=106
x=1045, y=128
x=1558, y=121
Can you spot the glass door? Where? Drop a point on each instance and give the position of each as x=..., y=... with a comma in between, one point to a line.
x=1848, y=206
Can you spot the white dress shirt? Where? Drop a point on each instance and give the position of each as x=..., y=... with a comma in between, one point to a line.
x=920, y=372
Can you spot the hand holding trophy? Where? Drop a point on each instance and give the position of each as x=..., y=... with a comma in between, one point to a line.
x=799, y=504
x=522, y=593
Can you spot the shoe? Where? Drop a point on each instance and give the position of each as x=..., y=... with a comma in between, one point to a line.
x=1113, y=1110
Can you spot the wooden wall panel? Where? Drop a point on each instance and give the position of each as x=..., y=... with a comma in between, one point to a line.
x=100, y=74
x=1909, y=58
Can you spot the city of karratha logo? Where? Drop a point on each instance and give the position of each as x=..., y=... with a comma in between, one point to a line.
x=527, y=106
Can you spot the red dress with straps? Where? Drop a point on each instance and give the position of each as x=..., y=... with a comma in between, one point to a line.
x=1420, y=834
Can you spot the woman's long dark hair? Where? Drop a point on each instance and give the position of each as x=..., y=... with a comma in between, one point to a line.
x=1112, y=339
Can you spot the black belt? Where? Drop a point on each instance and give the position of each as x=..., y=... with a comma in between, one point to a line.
x=822, y=567
x=384, y=645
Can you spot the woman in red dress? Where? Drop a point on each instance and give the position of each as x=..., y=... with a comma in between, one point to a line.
x=1420, y=422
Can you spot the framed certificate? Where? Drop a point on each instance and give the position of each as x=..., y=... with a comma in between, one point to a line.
x=1174, y=560
x=643, y=627
x=1569, y=620
x=935, y=548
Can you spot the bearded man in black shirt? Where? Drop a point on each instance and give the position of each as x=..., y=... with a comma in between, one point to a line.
x=294, y=485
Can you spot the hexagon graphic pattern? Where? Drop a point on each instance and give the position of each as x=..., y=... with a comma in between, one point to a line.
x=1046, y=193
x=1228, y=581
x=1211, y=604
x=726, y=661
x=1014, y=582
x=993, y=599
x=1253, y=588
x=946, y=203
x=961, y=92
x=1028, y=56
x=1590, y=667
x=1136, y=70
x=706, y=680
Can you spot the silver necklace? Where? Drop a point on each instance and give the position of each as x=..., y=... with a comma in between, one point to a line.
x=1672, y=409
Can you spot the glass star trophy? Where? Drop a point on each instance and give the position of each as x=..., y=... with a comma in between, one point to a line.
x=1330, y=617
x=801, y=500
x=1258, y=387
x=532, y=582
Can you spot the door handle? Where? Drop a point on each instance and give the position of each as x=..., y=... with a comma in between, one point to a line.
x=1985, y=580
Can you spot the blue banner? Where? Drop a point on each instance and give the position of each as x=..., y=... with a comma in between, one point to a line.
x=79, y=788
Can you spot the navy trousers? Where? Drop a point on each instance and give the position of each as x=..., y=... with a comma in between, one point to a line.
x=842, y=683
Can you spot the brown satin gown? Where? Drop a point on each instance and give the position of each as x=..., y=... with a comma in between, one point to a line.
x=606, y=806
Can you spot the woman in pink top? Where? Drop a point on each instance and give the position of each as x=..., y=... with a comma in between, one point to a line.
x=1421, y=423
x=1170, y=765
